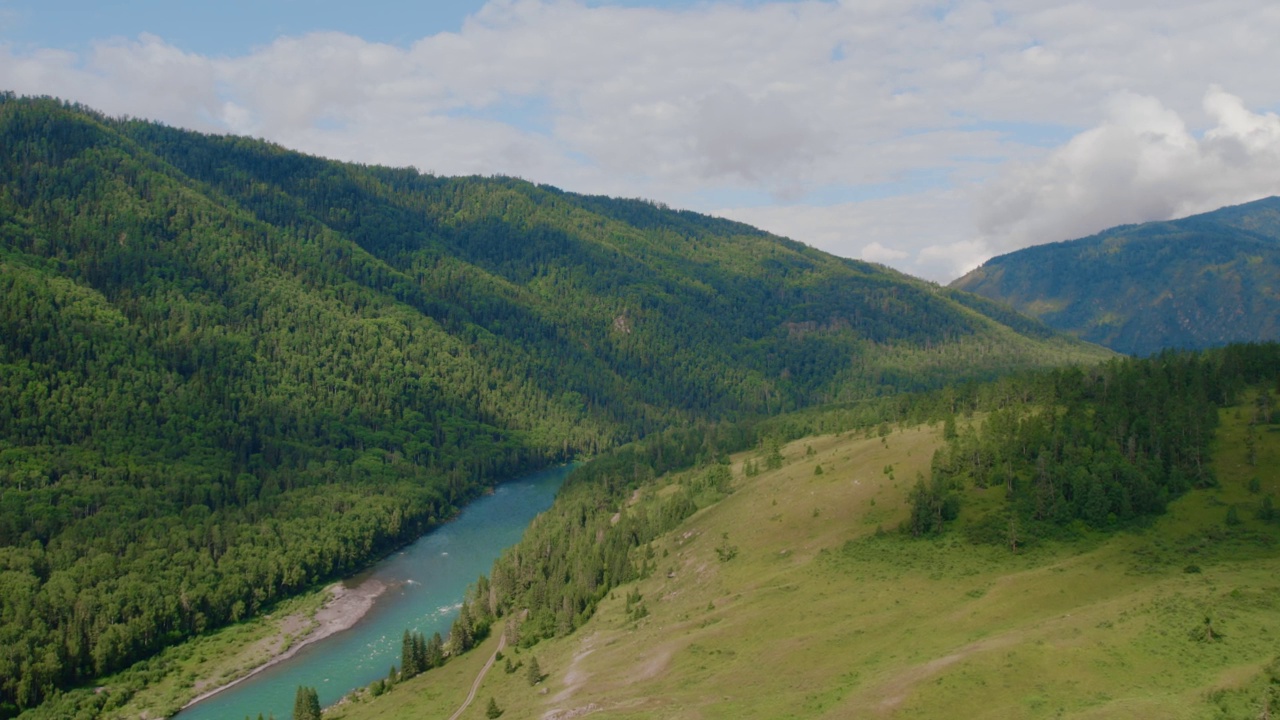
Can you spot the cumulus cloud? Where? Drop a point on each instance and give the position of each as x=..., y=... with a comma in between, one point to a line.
x=910, y=133
x=1142, y=163
x=916, y=233
x=143, y=78
x=754, y=140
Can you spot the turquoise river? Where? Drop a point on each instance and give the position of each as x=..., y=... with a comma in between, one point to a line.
x=426, y=582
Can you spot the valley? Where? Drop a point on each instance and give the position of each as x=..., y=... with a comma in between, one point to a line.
x=825, y=610
x=233, y=375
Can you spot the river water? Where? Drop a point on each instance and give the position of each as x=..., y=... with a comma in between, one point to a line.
x=426, y=583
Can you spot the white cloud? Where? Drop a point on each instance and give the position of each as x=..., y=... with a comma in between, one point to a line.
x=802, y=107
x=916, y=233
x=875, y=252
x=1142, y=163
x=754, y=140
x=143, y=78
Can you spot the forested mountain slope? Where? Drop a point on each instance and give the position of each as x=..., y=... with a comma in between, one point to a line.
x=998, y=552
x=229, y=371
x=1201, y=281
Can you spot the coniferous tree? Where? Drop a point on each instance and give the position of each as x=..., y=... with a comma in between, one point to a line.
x=420, y=653
x=1233, y=516
x=461, y=634
x=534, y=673
x=435, y=651
x=774, y=460
x=931, y=504
x=414, y=656
x=306, y=704
x=408, y=659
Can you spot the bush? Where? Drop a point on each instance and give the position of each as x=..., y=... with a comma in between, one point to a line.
x=724, y=550
x=1267, y=512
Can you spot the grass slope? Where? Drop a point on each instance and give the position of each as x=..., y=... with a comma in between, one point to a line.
x=816, y=615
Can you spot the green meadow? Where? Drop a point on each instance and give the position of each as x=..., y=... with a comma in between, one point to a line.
x=796, y=597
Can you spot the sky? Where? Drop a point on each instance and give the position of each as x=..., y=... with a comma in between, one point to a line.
x=927, y=135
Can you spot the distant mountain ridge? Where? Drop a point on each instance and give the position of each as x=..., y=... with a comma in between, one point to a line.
x=1198, y=282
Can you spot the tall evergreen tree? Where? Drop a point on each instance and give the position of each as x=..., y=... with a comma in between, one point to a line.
x=461, y=634
x=408, y=660
x=435, y=651
x=420, y=653
x=306, y=704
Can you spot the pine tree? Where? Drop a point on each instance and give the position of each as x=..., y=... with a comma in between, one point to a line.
x=1233, y=516
x=306, y=704
x=534, y=672
x=420, y=653
x=774, y=459
x=493, y=711
x=435, y=651
x=483, y=599
x=414, y=658
x=512, y=632
x=408, y=662
x=461, y=634
x=300, y=704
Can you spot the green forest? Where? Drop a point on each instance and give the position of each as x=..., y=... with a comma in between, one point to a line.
x=1108, y=446
x=230, y=372
x=1102, y=447
x=1199, y=282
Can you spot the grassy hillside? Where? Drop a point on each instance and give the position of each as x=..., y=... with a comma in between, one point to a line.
x=1198, y=282
x=795, y=596
x=229, y=372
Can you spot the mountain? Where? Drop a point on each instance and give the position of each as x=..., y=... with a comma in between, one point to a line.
x=1198, y=282
x=773, y=583
x=229, y=371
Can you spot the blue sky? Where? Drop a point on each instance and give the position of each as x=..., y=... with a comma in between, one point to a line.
x=237, y=26
x=924, y=134
x=225, y=27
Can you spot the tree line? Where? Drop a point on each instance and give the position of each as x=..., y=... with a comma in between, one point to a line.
x=1104, y=445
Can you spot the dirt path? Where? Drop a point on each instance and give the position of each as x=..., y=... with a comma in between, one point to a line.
x=340, y=612
x=573, y=677
x=475, y=686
